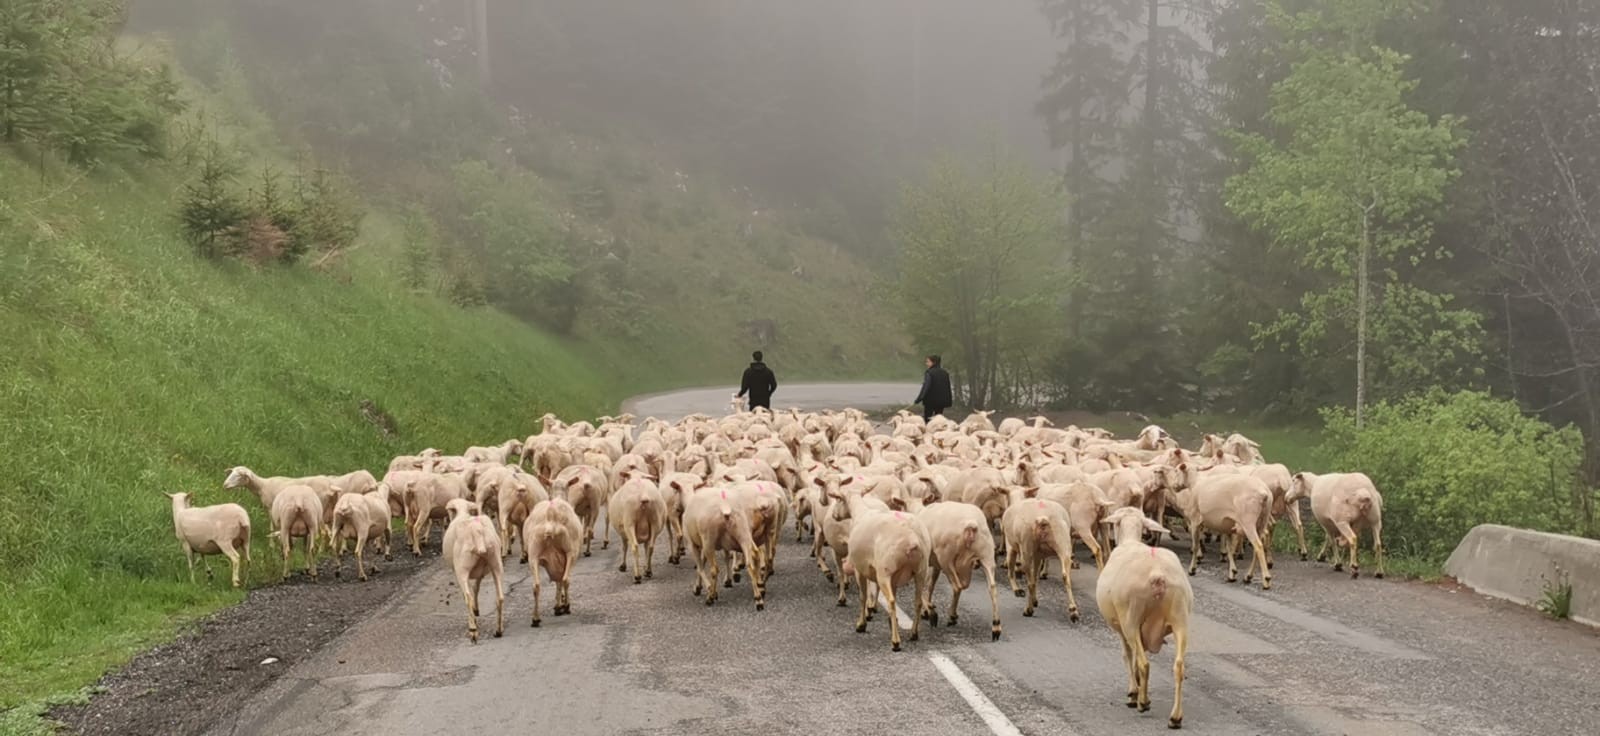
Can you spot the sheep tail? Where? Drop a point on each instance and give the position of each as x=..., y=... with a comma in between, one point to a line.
x=969, y=534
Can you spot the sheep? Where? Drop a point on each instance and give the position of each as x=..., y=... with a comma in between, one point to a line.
x=267, y=489
x=1343, y=503
x=427, y=497
x=977, y=421
x=1279, y=481
x=958, y=533
x=208, y=530
x=713, y=521
x=586, y=488
x=516, y=493
x=499, y=454
x=297, y=512
x=1143, y=596
x=473, y=550
x=985, y=488
x=1086, y=505
x=888, y=548
x=1150, y=438
x=638, y=513
x=674, y=488
x=1036, y=530
x=550, y=539
x=1227, y=504
x=360, y=516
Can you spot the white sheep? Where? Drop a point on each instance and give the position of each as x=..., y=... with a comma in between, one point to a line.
x=889, y=548
x=499, y=454
x=959, y=533
x=1036, y=530
x=551, y=537
x=714, y=521
x=297, y=512
x=360, y=517
x=473, y=550
x=638, y=513
x=1343, y=503
x=208, y=530
x=1144, y=595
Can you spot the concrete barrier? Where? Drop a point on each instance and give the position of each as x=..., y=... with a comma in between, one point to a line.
x=1515, y=564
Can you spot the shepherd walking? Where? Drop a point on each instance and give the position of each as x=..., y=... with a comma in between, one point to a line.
x=759, y=382
x=935, y=395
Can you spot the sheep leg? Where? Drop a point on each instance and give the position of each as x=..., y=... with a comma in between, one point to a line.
x=564, y=590
x=649, y=552
x=1031, y=568
x=1261, y=550
x=1267, y=538
x=699, y=571
x=924, y=592
x=1230, y=548
x=994, y=600
x=933, y=581
x=466, y=588
x=758, y=587
x=233, y=559
x=1194, y=550
x=886, y=588
x=361, y=559
x=498, y=571
x=1142, y=663
x=283, y=547
x=605, y=533
x=861, y=619
x=1066, y=579
x=533, y=572
x=633, y=544
x=1377, y=546
x=816, y=552
x=1129, y=663
x=711, y=590
x=622, y=554
x=1086, y=535
x=844, y=580
x=188, y=552
x=1012, y=570
x=1180, y=644
x=733, y=569
x=1299, y=528
x=1349, y=536
x=311, y=552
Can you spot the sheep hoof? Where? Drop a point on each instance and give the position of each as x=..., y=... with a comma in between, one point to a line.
x=894, y=646
x=338, y=573
x=727, y=583
x=952, y=621
x=1270, y=563
x=605, y=544
x=710, y=601
x=524, y=560
x=1191, y=572
x=1338, y=568
x=1073, y=617
x=499, y=634
x=861, y=628
x=1377, y=575
x=1133, y=699
x=1234, y=579
x=536, y=623
x=1144, y=707
x=1266, y=584
x=697, y=591
x=1075, y=565
x=586, y=553
x=649, y=573
x=1354, y=573
x=829, y=576
x=390, y=558
x=760, y=606
x=994, y=634
x=933, y=618
x=1175, y=723
x=622, y=567
x=637, y=580
x=1018, y=593
x=1044, y=575
x=1302, y=557
x=1028, y=612
x=1248, y=578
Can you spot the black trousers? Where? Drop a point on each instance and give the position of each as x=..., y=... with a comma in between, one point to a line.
x=928, y=412
x=763, y=403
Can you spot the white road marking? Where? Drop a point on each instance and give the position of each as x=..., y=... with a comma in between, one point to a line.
x=997, y=721
x=991, y=714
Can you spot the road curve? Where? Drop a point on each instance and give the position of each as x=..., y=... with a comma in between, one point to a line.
x=1318, y=654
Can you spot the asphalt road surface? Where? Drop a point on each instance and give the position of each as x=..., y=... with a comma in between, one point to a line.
x=1318, y=654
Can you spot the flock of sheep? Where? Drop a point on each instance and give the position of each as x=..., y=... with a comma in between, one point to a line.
x=883, y=510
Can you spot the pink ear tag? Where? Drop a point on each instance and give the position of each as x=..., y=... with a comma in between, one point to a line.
x=899, y=515
x=724, y=494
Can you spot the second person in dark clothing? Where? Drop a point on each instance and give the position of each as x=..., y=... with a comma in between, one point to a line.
x=759, y=382
x=935, y=395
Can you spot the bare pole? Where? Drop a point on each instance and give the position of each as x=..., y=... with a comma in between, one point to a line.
x=480, y=26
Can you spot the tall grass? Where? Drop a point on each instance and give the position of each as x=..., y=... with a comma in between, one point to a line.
x=129, y=368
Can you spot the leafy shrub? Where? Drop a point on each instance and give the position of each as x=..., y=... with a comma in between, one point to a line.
x=1446, y=462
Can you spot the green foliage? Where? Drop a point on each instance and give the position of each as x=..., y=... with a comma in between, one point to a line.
x=1447, y=462
x=64, y=86
x=211, y=211
x=326, y=217
x=978, y=248
x=1351, y=186
x=134, y=367
x=1555, y=598
x=420, y=260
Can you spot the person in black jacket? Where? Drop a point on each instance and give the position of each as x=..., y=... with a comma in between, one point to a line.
x=759, y=382
x=935, y=395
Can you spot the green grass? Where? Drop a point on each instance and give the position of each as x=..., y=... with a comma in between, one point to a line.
x=131, y=368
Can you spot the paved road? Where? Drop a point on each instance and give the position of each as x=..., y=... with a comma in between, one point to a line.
x=1318, y=654
x=806, y=396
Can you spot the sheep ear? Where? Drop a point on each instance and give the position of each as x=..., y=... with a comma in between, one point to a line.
x=847, y=480
x=1030, y=492
x=1151, y=525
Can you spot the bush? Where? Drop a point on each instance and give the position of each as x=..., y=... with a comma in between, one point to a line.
x=1446, y=462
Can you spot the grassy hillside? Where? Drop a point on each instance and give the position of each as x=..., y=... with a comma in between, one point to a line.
x=132, y=368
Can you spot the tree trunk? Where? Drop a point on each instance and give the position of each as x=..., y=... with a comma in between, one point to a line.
x=1363, y=294
x=1076, y=175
